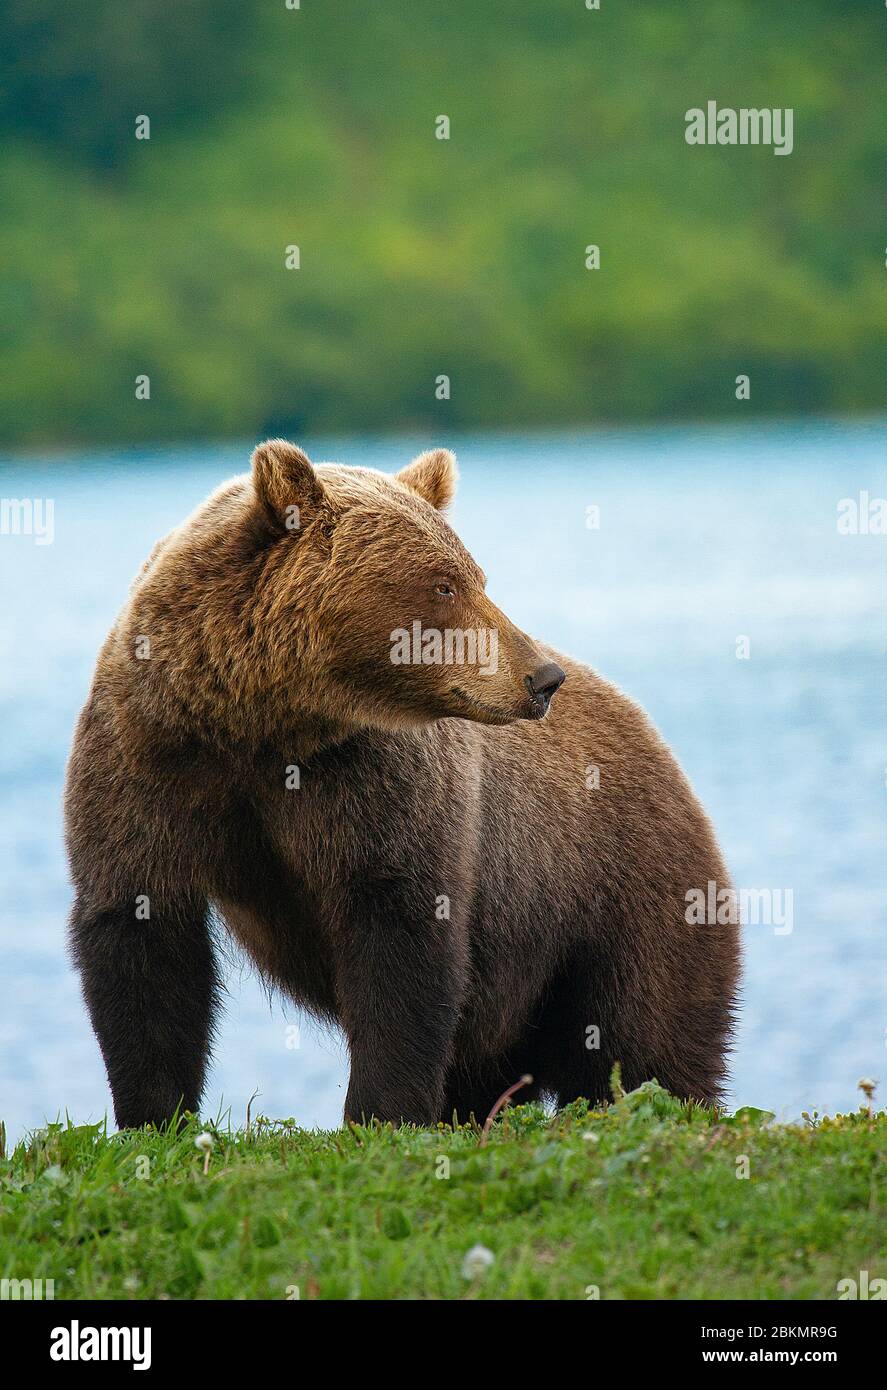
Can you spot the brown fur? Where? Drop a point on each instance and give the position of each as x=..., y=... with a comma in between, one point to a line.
x=270, y=648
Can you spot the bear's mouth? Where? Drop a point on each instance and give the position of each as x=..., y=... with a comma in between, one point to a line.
x=501, y=716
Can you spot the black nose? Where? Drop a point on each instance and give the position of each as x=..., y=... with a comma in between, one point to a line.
x=546, y=681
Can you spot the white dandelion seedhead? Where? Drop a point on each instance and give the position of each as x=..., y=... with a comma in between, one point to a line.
x=868, y=1086
x=477, y=1262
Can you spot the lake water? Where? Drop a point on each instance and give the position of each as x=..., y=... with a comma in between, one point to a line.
x=706, y=536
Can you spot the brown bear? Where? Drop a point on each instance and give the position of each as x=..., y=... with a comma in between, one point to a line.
x=310, y=725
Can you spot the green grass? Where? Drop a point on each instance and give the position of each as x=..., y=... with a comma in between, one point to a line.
x=641, y=1199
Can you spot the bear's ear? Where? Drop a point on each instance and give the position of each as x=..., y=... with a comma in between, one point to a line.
x=433, y=475
x=284, y=478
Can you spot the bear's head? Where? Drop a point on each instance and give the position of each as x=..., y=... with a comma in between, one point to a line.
x=373, y=606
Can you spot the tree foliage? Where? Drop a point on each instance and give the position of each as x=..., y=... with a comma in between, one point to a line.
x=420, y=257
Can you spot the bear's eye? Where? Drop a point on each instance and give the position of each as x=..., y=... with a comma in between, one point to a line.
x=327, y=530
x=445, y=590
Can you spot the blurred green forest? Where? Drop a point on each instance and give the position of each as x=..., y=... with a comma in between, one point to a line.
x=315, y=126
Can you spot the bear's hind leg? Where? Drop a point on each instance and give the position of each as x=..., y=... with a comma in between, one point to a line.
x=602, y=1010
x=151, y=988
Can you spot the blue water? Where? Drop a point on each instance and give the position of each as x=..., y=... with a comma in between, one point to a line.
x=705, y=536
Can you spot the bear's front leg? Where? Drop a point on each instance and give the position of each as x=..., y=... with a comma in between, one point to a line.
x=400, y=976
x=151, y=989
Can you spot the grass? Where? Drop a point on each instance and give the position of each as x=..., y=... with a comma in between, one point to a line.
x=642, y=1199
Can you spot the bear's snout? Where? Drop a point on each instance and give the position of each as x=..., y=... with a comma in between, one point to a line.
x=543, y=685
